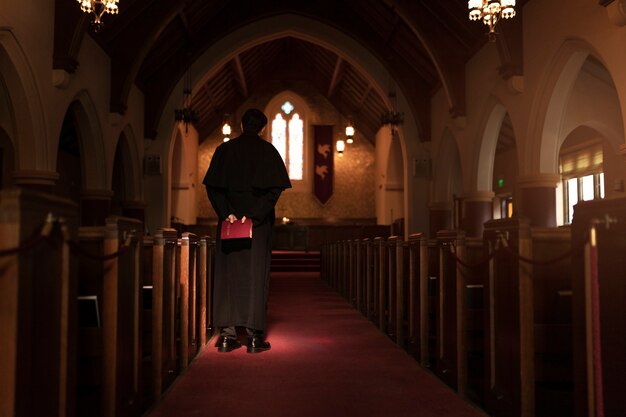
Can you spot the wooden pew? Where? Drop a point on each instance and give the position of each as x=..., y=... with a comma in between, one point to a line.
x=380, y=283
x=450, y=365
x=165, y=270
x=210, y=272
x=510, y=345
x=417, y=298
x=36, y=288
x=552, y=296
x=147, y=294
x=368, y=278
x=527, y=325
x=189, y=297
x=109, y=348
x=433, y=294
x=475, y=317
x=391, y=327
x=610, y=219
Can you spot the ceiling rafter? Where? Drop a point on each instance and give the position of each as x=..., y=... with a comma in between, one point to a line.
x=185, y=23
x=336, y=77
x=241, y=78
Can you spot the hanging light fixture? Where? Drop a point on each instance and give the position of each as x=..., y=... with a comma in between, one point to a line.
x=491, y=11
x=341, y=146
x=98, y=8
x=226, y=129
x=393, y=117
x=186, y=114
x=350, y=131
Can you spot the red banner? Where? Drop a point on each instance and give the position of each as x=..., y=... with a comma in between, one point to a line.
x=323, y=166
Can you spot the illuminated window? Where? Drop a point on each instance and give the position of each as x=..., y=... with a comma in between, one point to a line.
x=583, y=179
x=288, y=138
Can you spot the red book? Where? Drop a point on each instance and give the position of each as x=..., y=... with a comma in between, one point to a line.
x=236, y=230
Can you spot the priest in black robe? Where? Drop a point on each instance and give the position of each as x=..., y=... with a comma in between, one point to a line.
x=244, y=181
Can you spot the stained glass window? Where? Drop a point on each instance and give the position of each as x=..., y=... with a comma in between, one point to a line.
x=288, y=138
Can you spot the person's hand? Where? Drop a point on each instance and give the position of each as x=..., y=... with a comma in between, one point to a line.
x=232, y=218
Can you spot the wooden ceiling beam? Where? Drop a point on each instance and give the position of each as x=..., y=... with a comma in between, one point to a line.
x=241, y=77
x=185, y=22
x=336, y=77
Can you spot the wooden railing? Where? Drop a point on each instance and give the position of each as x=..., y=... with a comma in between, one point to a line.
x=120, y=314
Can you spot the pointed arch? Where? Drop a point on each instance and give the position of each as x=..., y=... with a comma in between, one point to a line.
x=548, y=111
x=125, y=171
x=132, y=163
x=7, y=159
x=29, y=130
x=492, y=123
x=91, y=142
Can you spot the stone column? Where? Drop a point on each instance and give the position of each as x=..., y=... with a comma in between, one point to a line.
x=36, y=180
x=477, y=209
x=440, y=217
x=134, y=209
x=537, y=199
x=95, y=206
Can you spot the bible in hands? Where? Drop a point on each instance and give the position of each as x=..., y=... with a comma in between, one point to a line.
x=236, y=230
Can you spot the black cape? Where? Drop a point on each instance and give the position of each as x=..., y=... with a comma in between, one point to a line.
x=246, y=177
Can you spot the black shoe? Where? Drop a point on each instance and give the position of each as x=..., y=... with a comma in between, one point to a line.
x=257, y=344
x=227, y=344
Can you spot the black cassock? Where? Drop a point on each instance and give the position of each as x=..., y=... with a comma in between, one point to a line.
x=245, y=178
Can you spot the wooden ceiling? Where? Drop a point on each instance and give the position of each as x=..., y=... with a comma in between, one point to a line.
x=423, y=43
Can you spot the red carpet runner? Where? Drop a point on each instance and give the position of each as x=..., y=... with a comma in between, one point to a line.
x=326, y=361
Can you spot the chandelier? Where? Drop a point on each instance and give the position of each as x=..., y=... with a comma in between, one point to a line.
x=186, y=114
x=491, y=11
x=98, y=8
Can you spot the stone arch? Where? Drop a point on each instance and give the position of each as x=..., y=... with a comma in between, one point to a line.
x=126, y=174
x=547, y=115
x=594, y=102
x=91, y=142
x=132, y=163
x=495, y=113
x=29, y=130
x=182, y=177
x=7, y=159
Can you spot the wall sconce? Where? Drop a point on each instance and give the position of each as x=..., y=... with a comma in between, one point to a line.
x=350, y=131
x=341, y=146
x=226, y=129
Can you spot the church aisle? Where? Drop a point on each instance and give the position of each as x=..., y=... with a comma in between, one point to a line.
x=326, y=360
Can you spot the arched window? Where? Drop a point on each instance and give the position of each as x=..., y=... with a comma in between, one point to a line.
x=288, y=136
